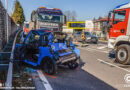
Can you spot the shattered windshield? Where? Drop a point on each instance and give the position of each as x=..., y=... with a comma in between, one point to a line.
x=50, y=18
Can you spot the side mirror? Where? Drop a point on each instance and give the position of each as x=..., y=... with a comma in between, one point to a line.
x=65, y=19
x=111, y=26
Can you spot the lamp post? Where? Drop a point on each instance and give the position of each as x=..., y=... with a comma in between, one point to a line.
x=7, y=30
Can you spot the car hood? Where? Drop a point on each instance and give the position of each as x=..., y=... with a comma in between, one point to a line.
x=61, y=48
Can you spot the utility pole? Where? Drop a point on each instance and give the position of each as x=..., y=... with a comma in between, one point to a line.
x=7, y=30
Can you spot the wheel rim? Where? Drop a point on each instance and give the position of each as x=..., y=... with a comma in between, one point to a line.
x=122, y=54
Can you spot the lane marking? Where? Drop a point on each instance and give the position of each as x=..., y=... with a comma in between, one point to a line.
x=98, y=50
x=113, y=65
x=90, y=49
x=85, y=49
x=45, y=81
x=102, y=47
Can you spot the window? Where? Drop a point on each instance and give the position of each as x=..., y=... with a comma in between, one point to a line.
x=77, y=24
x=119, y=17
x=30, y=39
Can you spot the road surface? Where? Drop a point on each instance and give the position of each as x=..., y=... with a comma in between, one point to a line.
x=96, y=72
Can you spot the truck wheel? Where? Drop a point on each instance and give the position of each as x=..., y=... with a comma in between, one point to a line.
x=123, y=54
x=73, y=65
x=49, y=66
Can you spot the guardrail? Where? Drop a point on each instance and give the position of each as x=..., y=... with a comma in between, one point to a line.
x=10, y=69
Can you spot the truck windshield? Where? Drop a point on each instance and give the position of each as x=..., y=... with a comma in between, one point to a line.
x=50, y=18
x=119, y=17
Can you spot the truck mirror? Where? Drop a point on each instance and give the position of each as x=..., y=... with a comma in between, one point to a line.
x=109, y=16
x=111, y=26
x=65, y=20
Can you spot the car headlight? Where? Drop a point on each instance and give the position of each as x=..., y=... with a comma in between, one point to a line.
x=52, y=47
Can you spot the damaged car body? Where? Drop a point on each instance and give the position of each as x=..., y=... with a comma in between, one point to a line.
x=47, y=49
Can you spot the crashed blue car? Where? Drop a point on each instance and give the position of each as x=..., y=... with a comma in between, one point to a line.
x=47, y=49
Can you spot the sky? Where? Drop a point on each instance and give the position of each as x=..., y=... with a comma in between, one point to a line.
x=85, y=9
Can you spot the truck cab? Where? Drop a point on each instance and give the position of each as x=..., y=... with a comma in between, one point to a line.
x=50, y=18
x=46, y=49
x=119, y=33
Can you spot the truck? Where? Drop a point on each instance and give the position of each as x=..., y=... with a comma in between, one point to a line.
x=50, y=18
x=47, y=49
x=119, y=33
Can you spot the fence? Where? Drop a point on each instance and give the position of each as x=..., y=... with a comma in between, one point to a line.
x=3, y=26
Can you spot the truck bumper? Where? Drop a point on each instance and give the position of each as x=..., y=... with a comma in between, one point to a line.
x=111, y=43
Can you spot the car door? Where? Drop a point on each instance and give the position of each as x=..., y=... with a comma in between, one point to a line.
x=28, y=45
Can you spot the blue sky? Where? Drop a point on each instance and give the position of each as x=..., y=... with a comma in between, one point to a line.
x=85, y=9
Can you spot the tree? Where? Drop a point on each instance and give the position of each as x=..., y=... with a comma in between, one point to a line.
x=18, y=14
x=74, y=15
x=71, y=15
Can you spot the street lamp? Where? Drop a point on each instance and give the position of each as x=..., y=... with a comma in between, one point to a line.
x=7, y=31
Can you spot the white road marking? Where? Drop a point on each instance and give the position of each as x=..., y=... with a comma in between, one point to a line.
x=113, y=65
x=91, y=49
x=45, y=81
x=85, y=49
x=98, y=50
x=102, y=47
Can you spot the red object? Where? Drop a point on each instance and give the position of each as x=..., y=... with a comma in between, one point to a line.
x=26, y=30
x=119, y=28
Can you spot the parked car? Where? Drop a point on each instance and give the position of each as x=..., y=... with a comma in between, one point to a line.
x=47, y=49
x=89, y=37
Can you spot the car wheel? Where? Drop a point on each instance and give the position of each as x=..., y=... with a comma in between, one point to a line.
x=73, y=65
x=49, y=66
x=94, y=40
x=123, y=54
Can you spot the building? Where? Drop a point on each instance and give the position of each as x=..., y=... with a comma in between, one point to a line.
x=100, y=27
x=76, y=26
x=66, y=30
x=89, y=25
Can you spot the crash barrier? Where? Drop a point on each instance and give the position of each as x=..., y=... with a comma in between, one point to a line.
x=12, y=27
x=10, y=69
x=4, y=60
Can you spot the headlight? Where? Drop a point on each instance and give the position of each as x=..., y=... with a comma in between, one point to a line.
x=52, y=47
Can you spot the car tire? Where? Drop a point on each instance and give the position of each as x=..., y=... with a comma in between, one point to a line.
x=73, y=65
x=49, y=66
x=94, y=40
x=123, y=54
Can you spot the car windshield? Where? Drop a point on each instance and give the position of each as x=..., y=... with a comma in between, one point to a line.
x=50, y=18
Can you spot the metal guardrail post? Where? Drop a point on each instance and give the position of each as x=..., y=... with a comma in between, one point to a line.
x=10, y=69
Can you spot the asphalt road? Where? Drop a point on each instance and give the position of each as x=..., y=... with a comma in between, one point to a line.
x=96, y=72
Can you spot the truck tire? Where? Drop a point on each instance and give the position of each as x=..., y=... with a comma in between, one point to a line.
x=123, y=54
x=49, y=66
